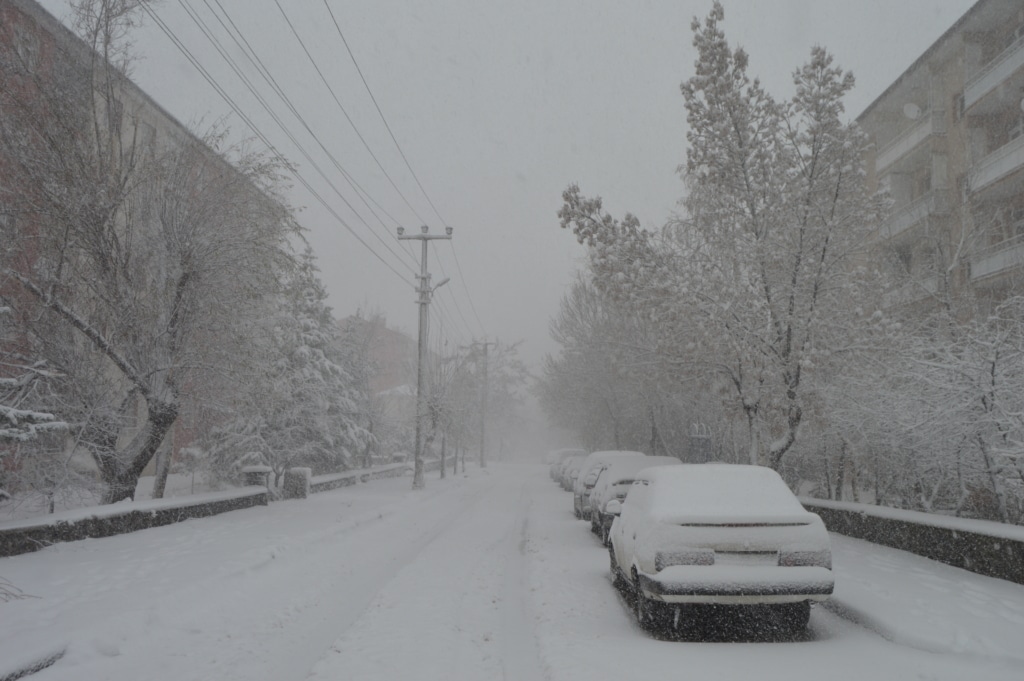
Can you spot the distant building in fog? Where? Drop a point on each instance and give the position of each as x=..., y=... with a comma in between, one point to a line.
x=949, y=147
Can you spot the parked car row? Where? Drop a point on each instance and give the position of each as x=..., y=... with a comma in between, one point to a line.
x=684, y=536
x=565, y=466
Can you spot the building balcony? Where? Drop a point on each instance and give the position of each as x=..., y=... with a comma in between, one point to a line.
x=912, y=291
x=1005, y=160
x=934, y=203
x=931, y=123
x=998, y=258
x=993, y=74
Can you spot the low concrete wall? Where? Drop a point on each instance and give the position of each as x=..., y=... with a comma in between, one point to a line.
x=324, y=483
x=25, y=536
x=26, y=663
x=987, y=548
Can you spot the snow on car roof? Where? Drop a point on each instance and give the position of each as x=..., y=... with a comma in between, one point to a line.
x=602, y=457
x=628, y=468
x=714, y=492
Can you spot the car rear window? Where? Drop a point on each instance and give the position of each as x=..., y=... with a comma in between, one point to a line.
x=715, y=491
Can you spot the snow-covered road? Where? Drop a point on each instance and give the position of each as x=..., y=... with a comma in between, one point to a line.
x=481, y=577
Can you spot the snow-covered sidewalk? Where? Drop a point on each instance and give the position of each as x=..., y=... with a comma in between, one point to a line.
x=913, y=601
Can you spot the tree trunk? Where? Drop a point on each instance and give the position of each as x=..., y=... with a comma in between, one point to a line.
x=841, y=478
x=444, y=443
x=121, y=470
x=654, y=433
x=163, y=468
x=993, y=478
x=828, y=473
x=854, y=478
x=755, y=444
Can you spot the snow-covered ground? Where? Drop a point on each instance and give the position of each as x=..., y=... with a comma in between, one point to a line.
x=481, y=577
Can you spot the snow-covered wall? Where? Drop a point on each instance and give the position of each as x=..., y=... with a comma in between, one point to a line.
x=32, y=534
x=323, y=483
x=984, y=547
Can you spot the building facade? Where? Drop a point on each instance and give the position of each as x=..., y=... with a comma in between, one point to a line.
x=949, y=147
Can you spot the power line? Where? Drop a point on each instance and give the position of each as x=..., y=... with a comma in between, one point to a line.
x=381, y=113
x=462, y=278
x=398, y=146
x=455, y=301
x=261, y=68
x=256, y=131
x=254, y=58
x=343, y=111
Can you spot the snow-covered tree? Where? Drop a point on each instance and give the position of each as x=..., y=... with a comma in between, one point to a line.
x=611, y=387
x=24, y=412
x=944, y=407
x=300, y=405
x=764, y=277
x=139, y=261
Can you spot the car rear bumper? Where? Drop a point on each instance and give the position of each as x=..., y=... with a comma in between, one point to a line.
x=728, y=584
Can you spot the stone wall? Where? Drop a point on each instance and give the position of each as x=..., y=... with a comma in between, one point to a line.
x=987, y=548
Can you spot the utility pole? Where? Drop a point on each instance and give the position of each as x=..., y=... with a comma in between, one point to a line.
x=424, y=289
x=483, y=404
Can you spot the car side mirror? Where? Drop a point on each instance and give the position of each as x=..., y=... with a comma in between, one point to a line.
x=613, y=507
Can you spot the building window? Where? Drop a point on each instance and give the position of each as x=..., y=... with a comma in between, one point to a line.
x=903, y=256
x=147, y=137
x=115, y=114
x=1016, y=223
x=26, y=46
x=1017, y=128
x=920, y=183
x=1015, y=36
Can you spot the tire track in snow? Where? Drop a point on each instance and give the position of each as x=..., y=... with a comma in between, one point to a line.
x=520, y=652
x=443, y=616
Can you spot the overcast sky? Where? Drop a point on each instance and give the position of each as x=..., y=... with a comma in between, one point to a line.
x=497, y=106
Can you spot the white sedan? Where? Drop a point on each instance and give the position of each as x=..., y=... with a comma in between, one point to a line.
x=718, y=534
x=614, y=483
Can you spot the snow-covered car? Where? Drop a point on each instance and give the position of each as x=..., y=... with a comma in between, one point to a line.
x=614, y=483
x=721, y=534
x=584, y=483
x=558, y=457
x=570, y=469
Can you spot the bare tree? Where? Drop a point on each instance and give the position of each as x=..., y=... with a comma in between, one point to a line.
x=143, y=258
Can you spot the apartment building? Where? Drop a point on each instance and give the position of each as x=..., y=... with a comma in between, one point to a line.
x=949, y=147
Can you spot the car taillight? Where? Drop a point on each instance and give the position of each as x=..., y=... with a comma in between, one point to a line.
x=806, y=559
x=663, y=559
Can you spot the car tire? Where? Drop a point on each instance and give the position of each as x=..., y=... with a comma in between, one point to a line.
x=619, y=582
x=651, y=616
